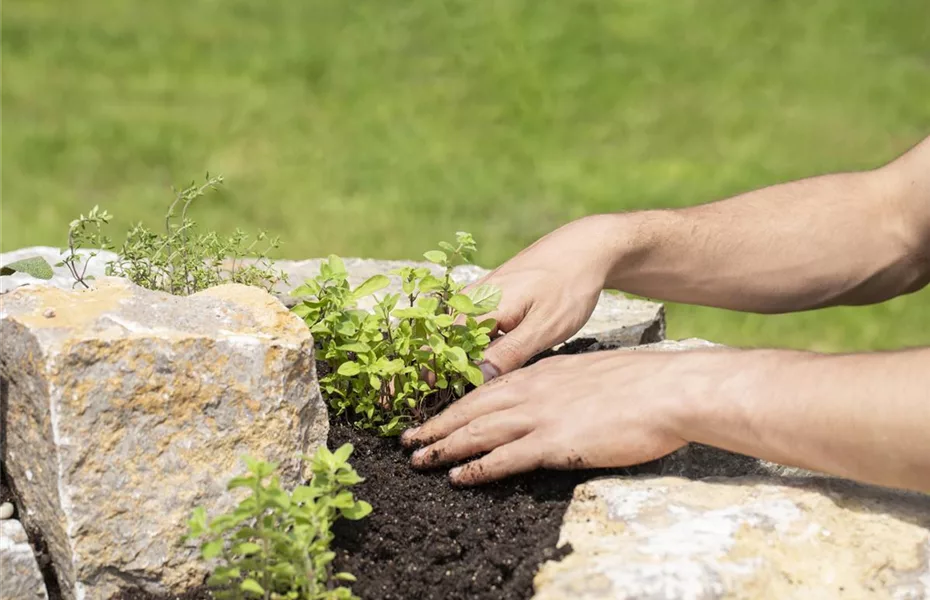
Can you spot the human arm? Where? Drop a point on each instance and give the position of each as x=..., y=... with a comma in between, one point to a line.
x=850, y=238
x=862, y=416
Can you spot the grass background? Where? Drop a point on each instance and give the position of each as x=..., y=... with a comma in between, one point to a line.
x=377, y=127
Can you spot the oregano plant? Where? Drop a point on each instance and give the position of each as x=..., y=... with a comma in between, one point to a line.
x=275, y=545
x=415, y=352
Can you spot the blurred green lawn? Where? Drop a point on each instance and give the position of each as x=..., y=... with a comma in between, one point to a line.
x=376, y=127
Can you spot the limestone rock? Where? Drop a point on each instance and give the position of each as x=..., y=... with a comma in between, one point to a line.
x=617, y=320
x=20, y=578
x=751, y=537
x=128, y=408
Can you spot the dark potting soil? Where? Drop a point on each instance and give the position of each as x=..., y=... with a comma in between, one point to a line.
x=426, y=539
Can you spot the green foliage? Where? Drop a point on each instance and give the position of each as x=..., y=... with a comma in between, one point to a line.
x=33, y=265
x=275, y=544
x=179, y=260
x=413, y=353
x=85, y=231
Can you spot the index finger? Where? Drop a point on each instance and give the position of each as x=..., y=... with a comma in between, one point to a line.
x=490, y=397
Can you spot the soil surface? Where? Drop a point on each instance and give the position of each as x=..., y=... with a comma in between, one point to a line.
x=426, y=539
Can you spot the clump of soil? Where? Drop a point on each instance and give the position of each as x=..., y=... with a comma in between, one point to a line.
x=426, y=539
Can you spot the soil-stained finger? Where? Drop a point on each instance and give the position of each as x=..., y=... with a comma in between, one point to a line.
x=481, y=435
x=491, y=397
x=519, y=456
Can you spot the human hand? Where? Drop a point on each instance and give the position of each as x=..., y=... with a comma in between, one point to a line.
x=604, y=409
x=549, y=291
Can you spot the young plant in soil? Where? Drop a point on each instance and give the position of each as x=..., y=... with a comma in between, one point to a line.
x=178, y=260
x=410, y=356
x=275, y=544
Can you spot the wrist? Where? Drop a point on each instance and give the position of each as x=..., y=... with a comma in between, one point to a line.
x=630, y=239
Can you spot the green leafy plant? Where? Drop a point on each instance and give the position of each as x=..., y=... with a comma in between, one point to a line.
x=411, y=355
x=36, y=266
x=275, y=544
x=85, y=231
x=179, y=260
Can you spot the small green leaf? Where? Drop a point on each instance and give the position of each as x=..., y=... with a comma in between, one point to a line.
x=250, y=585
x=336, y=266
x=456, y=356
x=242, y=481
x=211, y=549
x=309, y=288
x=462, y=303
x=345, y=576
x=444, y=320
x=246, y=548
x=474, y=375
x=35, y=266
x=304, y=493
x=360, y=510
x=348, y=369
x=431, y=283
x=370, y=286
x=343, y=453
x=485, y=298
x=436, y=256
x=410, y=313
x=355, y=347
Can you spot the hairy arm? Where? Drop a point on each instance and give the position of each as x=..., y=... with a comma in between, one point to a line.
x=851, y=238
x=862, y=416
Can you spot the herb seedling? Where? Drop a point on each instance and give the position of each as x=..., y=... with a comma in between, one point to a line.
x=410, y=356
x=179, y=260
x=275, y=544
x=85, y=231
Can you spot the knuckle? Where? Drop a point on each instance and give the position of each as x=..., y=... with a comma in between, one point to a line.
x=475, y=430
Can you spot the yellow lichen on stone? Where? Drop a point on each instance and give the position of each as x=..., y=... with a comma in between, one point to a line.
x=74, y=309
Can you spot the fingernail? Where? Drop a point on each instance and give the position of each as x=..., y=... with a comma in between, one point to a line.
x=488, y=370
x=418, y=454
x=454, y=473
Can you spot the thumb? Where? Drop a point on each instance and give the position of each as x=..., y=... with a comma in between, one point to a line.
x=511, y=350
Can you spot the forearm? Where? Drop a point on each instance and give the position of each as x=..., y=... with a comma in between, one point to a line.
x=853, y=238
x=865, y=417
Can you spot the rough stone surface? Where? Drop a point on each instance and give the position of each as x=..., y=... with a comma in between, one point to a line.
x=751, y=537
x=617, y=321
x=20, y=578
x=129, y=407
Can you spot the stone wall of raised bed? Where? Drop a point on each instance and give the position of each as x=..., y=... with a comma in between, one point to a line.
x=122, y=409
